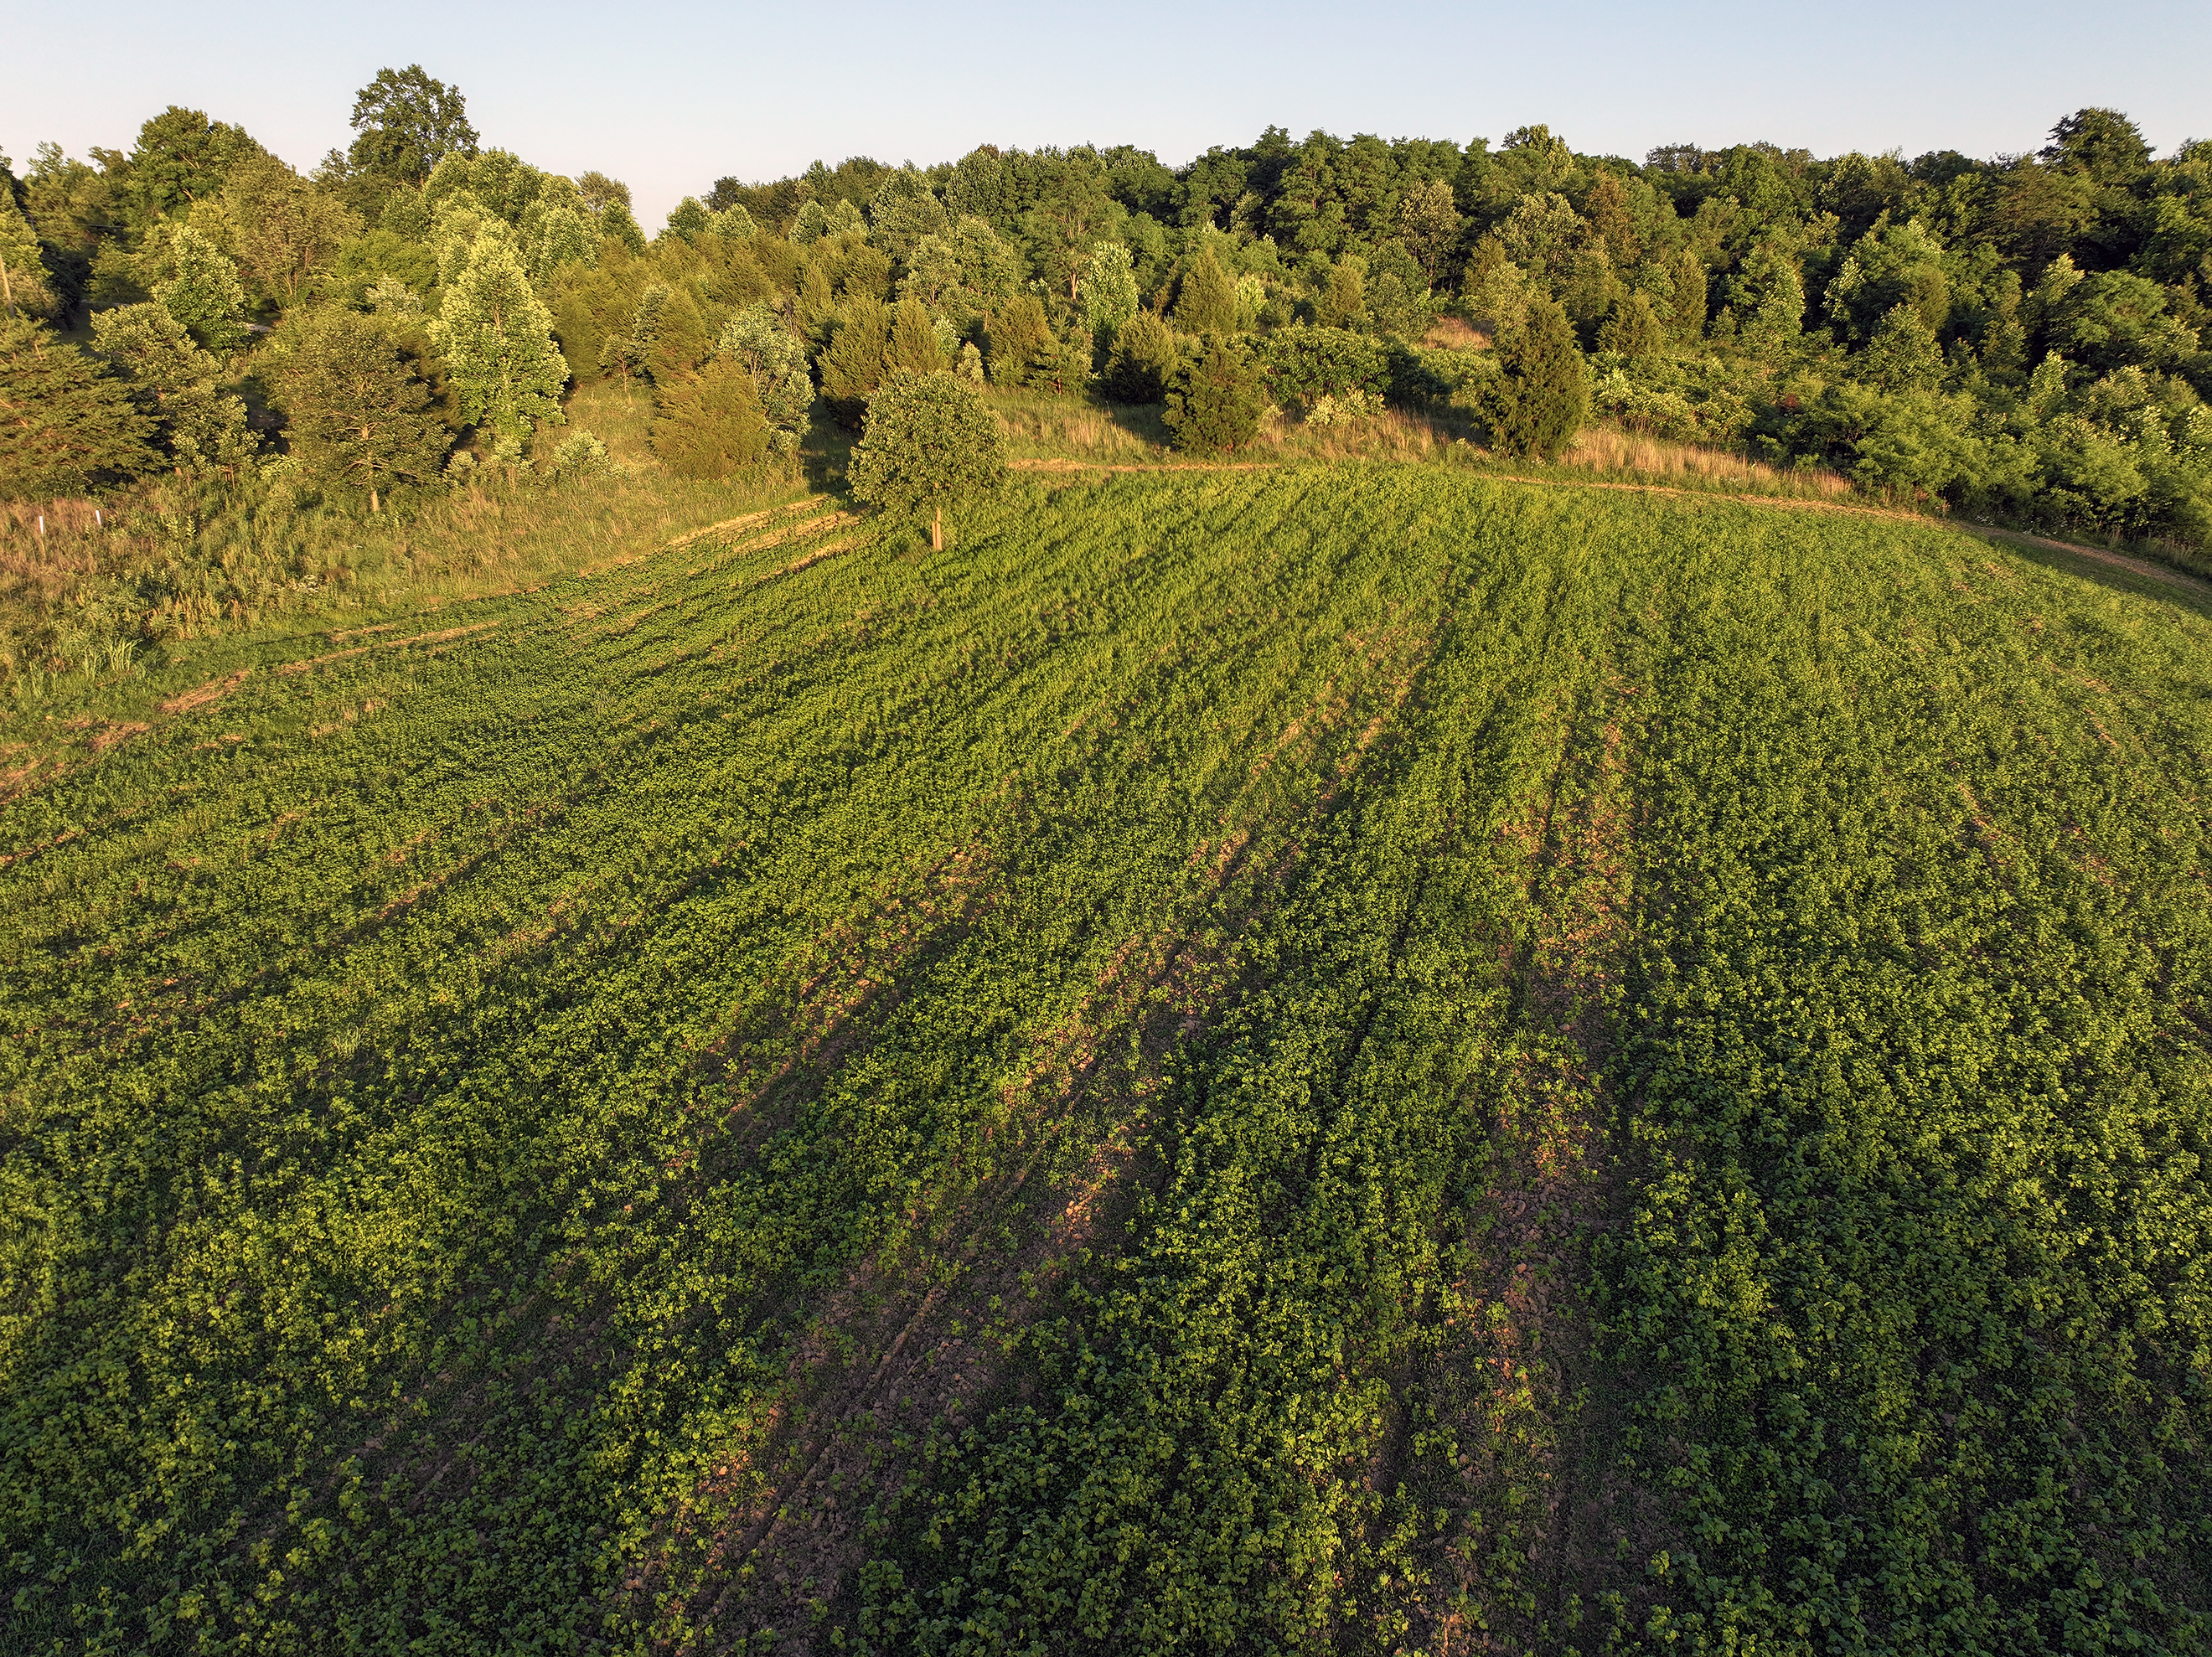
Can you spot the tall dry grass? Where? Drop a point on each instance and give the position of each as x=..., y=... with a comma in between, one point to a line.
x=180, y=557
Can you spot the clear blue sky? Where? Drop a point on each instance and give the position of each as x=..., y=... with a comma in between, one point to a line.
x=668, y=96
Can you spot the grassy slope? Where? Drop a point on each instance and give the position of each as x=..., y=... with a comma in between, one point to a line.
x=542, y=1134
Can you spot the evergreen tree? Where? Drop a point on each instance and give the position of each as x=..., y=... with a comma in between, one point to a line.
x=1538, y=403
x=1215, y=400
x=914, y=346
x=1343, y=302
x=1632, y=328
x=629, y=352
x=357, y=414
x=1015, y=334
x=1206, y=303
x=852, y=367
x=1144, y=358
x=497, y=339
x=176, y=383
x=931, y=443
x=67, y=424
x=711, y=425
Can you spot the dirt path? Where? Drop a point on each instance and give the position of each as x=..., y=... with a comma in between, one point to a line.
x=2106, y=556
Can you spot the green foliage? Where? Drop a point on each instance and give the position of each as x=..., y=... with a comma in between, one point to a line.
x=30, y=288
x=1903, y=353
x=68, y=426
x=197, y=283
x=1307, y=364
x=358, y=417
x=1632, y=329
x=181, y=158
x=581, y=458
x=688, y=220
x=408, y=121
x=1540, y=398
x=931, y=442
x=284, y=230
x=812, y=223
x=711, y=425
x=1108, y=289
x=178, y=385
x=1144, y=358
x=913, y=346
x=855, y=363
x=903, y=210
x=497, y=337
x=1016, y=335
x=757, y=340
x=1206, y=302
x=1215, y=400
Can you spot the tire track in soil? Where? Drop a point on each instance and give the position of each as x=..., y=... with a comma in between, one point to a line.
x=885, y=1360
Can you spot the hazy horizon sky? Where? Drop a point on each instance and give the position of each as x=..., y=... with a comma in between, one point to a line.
x=669, y=96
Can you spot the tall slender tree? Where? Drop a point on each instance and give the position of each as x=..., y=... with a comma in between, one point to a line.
x=497, y=339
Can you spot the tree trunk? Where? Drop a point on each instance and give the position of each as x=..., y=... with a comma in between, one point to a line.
x=372, y=507
x=937, y=529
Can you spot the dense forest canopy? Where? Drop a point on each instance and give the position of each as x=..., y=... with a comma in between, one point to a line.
x=2021, y=336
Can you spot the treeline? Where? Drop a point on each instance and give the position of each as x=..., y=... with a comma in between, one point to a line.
x=2021, y=337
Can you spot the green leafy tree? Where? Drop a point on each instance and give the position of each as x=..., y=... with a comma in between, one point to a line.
x=903, y=210
x=1015, y=335
x=198, y=284
x=67, y=425
x=1144, y=358
x=1307, y=364
x=284, y=228
x=496, y=337
x=1429, y=222
x=688, y=221
x=629, y=353
x=407, y=122
x=932, y=442
x=757, y=340
x=1206, y=302
x=181, y=157
x=1108, y=288
x=1215, y=401
x=1903, y=354
x=2116, y=319
x=26, y=285
x=619, y=225
x=1768, y=294
x=178, y=385
x=711, y=425
x=358, y=415
x=1537, y=403
x=812, y=224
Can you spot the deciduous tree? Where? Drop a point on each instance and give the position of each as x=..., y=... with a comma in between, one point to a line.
x=496, y=337
x=177, y=384
x=931, y=443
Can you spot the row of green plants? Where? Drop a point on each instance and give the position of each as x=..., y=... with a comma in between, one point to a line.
x=456, y=1073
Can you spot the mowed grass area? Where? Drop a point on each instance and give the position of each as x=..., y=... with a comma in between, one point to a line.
x=1346, y=1058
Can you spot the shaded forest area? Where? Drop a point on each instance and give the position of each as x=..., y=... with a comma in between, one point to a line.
x=2018, y=338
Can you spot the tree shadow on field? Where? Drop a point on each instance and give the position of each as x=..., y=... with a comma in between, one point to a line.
x=2116, y=571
